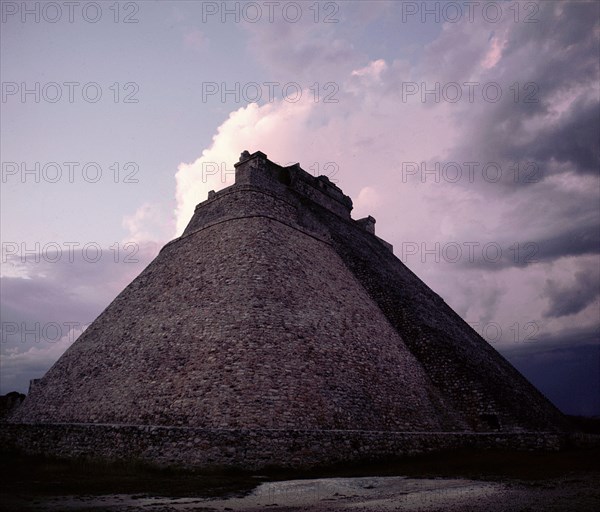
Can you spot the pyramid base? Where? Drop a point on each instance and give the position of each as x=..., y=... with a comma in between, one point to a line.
x=250, y=449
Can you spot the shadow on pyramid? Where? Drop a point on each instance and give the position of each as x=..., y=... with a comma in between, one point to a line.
x=278, y=330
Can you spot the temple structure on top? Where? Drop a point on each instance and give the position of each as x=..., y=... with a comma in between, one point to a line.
x=256, y=171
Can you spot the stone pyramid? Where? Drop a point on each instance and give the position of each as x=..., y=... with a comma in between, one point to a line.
x=275, y=310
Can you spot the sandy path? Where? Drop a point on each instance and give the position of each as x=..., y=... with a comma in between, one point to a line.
x=372, y=494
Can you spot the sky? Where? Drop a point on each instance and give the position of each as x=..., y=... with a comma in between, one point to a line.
x=469, y=130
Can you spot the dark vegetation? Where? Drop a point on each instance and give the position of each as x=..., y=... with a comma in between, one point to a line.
x=42, y=476
x=9, y=402
x=586, y=424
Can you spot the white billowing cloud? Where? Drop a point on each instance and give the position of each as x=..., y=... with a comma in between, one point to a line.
x=372, y=70
x=360, y=135
x=366, y=202
x=275, y=128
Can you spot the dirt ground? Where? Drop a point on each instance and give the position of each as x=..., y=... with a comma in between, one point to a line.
x=459, y=481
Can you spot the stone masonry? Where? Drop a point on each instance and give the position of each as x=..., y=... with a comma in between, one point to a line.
x=277, y=316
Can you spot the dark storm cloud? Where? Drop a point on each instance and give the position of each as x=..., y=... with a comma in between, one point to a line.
x=503, y=254
x=557, y=213
x=560, y=120
x=574, y=141
x=561, y=24
x=41, y=300
x=575, y=242
x=556, y=342
x=565, y=366
x=571, y=299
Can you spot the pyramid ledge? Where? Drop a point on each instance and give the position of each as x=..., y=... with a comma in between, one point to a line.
x=253, y=449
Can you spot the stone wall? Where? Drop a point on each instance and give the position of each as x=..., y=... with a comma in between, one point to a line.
x=251, y=449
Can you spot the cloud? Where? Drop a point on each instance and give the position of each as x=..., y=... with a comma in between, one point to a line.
x=565, y=367
x=547, y=150
x=150, y=223
x=48, y=299
x=303, y=51
x=499, y=252
x=571, y=298
x=494, y=53
x=366, y=201
x=19, y=367
x=273, y=128
x=373, y=70
x=539, y=118
x=50, y=296
x=571, y=138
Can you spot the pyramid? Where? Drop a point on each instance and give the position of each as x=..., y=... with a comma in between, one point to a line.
x=275, y=311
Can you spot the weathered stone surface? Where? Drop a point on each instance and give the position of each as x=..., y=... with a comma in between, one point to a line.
x=253, y=449
x=9, y=403
x=276, y=310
